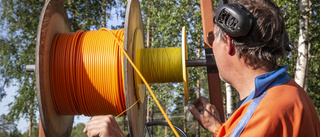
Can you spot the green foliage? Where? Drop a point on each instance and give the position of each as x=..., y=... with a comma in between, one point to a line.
x=77, y=131
x=8, y=128
x=292, y=13
x=88, y=14
x=313, y=74
x=123, y=124
x=34, y=131
x=17, y=51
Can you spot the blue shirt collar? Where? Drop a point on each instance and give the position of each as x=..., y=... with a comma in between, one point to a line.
x=268, y=80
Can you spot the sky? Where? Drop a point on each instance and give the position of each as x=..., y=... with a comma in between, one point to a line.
x=11, y=91
x=23, y=124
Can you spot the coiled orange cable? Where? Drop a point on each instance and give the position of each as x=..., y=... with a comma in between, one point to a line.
x=86, y=73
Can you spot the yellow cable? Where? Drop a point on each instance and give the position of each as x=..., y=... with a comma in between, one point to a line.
x=128, y=108
x=161, y=65
x=146, y=83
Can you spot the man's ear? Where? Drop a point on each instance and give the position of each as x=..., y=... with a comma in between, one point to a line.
x=229, y=46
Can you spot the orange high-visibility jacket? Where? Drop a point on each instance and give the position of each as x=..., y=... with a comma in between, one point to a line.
x=285, y=110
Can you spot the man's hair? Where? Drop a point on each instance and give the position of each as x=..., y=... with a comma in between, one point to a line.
x=262, y=46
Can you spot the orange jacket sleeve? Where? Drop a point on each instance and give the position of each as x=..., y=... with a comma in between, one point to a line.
x=286, y=110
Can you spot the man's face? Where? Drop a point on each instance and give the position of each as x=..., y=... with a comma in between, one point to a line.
x=219, y=51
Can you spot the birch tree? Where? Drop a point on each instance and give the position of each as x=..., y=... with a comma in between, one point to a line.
x=302, y=59
x=229, y=99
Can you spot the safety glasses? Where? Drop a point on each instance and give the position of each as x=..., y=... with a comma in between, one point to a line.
x=210, y=38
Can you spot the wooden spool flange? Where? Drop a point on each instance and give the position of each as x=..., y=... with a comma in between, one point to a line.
x=137, y=114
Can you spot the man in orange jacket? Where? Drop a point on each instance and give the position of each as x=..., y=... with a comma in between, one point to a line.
x=247, y=40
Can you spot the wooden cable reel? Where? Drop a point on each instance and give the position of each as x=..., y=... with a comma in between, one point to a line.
x=54, y=20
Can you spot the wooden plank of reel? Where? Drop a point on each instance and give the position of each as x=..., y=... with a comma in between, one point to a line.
x=214, y=81
x=53, y=20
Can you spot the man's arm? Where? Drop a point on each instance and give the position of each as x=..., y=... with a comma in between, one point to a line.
x=206, y=114
x=103, y=126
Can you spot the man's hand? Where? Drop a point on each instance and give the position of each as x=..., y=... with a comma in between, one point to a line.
x=206, y=114
x=103, y=126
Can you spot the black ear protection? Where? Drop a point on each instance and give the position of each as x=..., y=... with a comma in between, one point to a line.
x=234, y=19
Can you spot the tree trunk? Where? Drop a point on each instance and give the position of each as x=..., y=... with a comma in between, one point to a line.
x=148, y=32
x=151, y=119
x=309, y=51
x=229, y=99
x=166, y=128
x=104, y=14
x=198, y=89
x=149, y=115
x=31, y=110
x=305, y=87
x=123, y=123
x=302, y=59
x=30, y=122
x=148, y=45
x=198, y=95
x=152, y=38
x=185, y=116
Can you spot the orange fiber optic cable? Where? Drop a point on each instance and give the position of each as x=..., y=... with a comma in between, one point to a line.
x=86, y=75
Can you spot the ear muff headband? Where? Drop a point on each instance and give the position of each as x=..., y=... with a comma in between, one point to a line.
x=234, y=19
